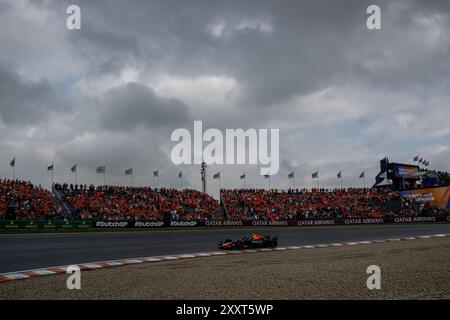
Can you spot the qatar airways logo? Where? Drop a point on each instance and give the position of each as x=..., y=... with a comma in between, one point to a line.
x=251, y=146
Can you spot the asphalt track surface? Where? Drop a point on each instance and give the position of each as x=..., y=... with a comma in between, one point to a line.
x=20, y=252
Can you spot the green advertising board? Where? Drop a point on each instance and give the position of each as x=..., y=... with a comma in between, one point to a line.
x=44, y=224
x=74, y=224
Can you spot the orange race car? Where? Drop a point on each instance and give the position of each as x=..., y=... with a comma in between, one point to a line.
x=254, y=241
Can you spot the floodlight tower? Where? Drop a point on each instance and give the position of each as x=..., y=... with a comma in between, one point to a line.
x=203, y=174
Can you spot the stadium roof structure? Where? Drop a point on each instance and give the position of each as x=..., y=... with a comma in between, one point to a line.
x=416, y=175
x=384, y=183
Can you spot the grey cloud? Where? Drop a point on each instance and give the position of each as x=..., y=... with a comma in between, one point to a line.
x=135, y=105
x=25, y=102
x=313, y=46
x=4, y=6
x=94, y=41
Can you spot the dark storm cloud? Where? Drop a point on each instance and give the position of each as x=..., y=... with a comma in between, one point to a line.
x=340, y=94
x=24, y=102
x=100, y=42
x=431, y=6
x=4, y=6
x=311, y=45
x=134, y=105
x=106, y=52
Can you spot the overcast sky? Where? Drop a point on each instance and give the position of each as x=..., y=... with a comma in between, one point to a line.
x=111, y=93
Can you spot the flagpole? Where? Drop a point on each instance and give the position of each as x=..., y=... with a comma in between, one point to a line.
x=220, y=185
x=341, y=180
x=243, y=177
x=53, y=170
x=318, y=182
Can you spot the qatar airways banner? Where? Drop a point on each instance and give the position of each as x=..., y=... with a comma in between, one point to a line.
x=87, y=224
x=439, y=197
x=327, y=222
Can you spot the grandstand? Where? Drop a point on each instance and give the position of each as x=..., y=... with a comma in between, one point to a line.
x=305, y=204
x=23, y=200
x=20, y=200
x=136, y=203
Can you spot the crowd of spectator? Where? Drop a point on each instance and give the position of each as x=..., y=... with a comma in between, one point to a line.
x=305, y=204
x=114, y=203
x=430, y=178
x=444, y=178
x=27, y=202
x=137, y=203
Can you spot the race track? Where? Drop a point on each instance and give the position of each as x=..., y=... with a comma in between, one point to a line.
x=30, y=251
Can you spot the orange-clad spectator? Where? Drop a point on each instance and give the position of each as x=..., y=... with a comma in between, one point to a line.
x=138, y=203
x=29, y=202
x=320, y=204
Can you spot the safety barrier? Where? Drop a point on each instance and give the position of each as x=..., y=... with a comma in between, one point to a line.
x=100, y=224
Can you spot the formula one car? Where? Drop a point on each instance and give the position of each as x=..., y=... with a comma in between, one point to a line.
x=254, y=241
